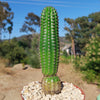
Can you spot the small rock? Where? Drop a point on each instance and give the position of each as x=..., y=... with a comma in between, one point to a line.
x=34, y=92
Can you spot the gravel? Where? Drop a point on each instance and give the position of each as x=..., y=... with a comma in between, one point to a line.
x=33, y=91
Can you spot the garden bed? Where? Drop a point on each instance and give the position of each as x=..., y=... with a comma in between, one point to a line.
x=33, y=91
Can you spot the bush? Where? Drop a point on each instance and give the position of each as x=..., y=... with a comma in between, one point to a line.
x=15, y=55
x=25, y=43
x=93, y=54
x=90, y=76
x=33, y=54
x=67, y=60
x=90, y=63
x=76, y=63
x=12, y=52
x=65, y=53
x=4, y=48
x=34, y=61
x=21, y=51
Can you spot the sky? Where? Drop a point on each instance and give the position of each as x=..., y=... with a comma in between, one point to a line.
x=65, y=8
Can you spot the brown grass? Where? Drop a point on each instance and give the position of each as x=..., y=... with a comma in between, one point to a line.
x=3, y=69
x=8, y=71
x=3, y=61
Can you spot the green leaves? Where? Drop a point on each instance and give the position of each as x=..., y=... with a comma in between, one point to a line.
x=31, y=20
x=93, y=54
x=82, y=28
x=6, y=17
x=90, y=63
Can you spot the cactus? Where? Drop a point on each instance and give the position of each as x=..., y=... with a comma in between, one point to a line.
x=49, y=51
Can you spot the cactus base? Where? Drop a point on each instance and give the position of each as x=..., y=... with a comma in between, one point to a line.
x=51, y=85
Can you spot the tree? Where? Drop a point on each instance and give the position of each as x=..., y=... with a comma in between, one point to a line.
x=83, y=28
x=87, y=27
x=33, y=53
x=71, y=32
x=31, y=20
x=6, y=17
x=97, y=28
x=10, y=30
x=82, y=31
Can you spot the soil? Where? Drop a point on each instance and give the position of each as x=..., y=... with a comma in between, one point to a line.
x=13, y=79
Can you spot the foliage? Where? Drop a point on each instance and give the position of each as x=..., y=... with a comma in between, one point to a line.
x=25, y=43
x=65, y=53
x=90, y=63
x=89, y=76
x=93, y=54
x=31, y=20
x=66, y=59
x=22, y=50
x=33, y=53
x=77, y=63
x=33, y=60
x=97, y=28
x=6, y=17
x=12, y=52
x=71, y=35
x=15, y=55
x=83, y=28
x=35, y=43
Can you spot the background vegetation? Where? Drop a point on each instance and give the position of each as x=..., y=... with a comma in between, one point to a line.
x=82, y=32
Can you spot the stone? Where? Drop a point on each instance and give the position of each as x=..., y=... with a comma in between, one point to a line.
x=33, y=91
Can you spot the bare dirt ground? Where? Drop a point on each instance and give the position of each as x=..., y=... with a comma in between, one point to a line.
x=13, y=79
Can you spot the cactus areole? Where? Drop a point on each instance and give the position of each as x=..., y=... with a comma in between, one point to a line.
x=49, y=51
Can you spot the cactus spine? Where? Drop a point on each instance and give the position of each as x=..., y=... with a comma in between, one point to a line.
x=49, y=51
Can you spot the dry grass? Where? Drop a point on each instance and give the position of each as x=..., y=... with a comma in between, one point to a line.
x=3, y=69
x=67, y=73
x=3, y=61
x=8, y=71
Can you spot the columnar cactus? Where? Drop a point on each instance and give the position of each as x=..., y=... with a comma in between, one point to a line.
x=49, y=51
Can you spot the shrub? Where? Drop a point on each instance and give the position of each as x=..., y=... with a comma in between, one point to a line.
x=93, y=54
x=25, y=43
x=34, y=61
x=21, y=51
x=33, y=54
x=15, y=55
x=90, y=63
x=4, y=48
x=90, y=76
x=12, y=52
x=65, y=53
x=76, y=63
x=67, y=60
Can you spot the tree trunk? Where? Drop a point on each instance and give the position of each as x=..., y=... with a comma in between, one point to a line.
x=9, y=38
x=73, y=47
x=0, y=37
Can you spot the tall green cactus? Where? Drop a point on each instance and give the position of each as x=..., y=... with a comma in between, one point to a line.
x=49, y=50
